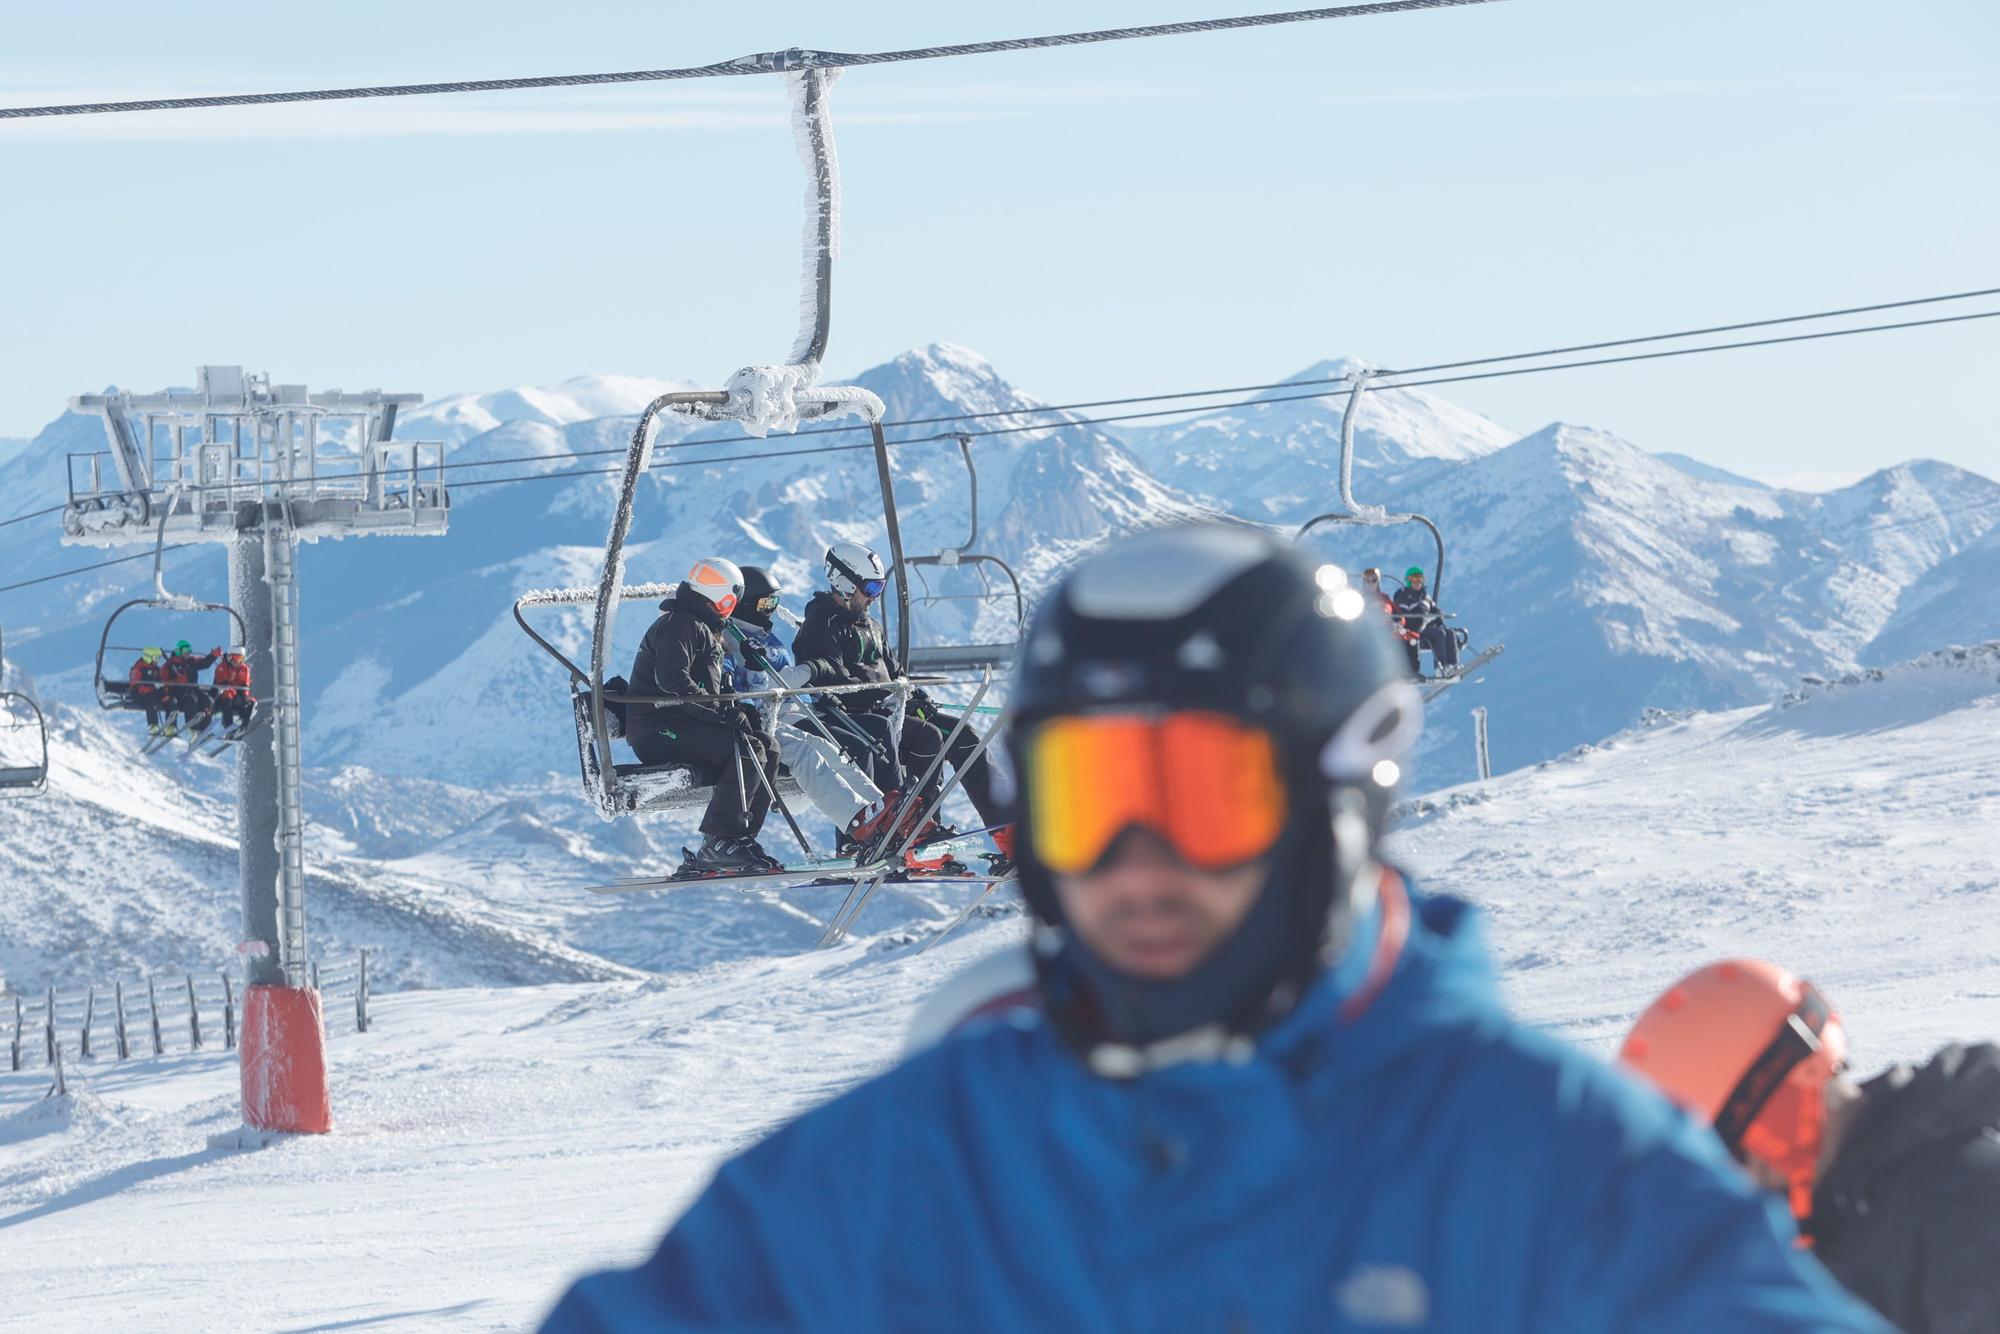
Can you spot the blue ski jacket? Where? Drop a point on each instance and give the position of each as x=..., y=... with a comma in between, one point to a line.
x=742, y=679
x=1426, y=1165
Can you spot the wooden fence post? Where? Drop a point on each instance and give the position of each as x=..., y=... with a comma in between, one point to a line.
x=59, y=1088
x=49, y=1028
x=89, y=1012
x=124, y=1043
x=228, y=1014
x=194, y=1014
x=17, y=1033
x=361, y=996
x=315, y=975
x=153, y=1000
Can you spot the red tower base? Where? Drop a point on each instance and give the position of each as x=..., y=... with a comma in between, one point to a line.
x=284, y=1061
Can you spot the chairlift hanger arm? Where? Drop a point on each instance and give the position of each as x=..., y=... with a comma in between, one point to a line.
x=1351, y=510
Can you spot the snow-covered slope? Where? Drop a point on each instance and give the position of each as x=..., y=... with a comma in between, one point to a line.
x=129, y=864
x=1846, y=830
x=489, y=1144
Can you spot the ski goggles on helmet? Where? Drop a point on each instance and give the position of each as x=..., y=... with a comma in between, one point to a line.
x=1798, y=1040
x=768, y=603
x=869, y=587
x=1211, y=786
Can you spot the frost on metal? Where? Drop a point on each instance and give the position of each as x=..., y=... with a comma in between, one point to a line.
x=777, y=398
x=584, y=597
x=812, y=132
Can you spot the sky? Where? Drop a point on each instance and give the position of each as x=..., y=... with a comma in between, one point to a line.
x=1098, y=221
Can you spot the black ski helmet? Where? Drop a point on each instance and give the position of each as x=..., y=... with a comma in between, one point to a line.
x=757, y=585
x=1232, y=620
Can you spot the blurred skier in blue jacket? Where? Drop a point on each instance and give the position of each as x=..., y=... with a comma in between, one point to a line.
x=1268, y=1086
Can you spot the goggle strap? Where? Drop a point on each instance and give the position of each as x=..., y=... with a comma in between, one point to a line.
x=1796, y=1040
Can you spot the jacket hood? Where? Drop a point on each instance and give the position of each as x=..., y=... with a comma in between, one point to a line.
x=1910, y=1108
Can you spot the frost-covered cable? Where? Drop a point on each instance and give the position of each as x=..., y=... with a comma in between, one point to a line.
x=766, y=62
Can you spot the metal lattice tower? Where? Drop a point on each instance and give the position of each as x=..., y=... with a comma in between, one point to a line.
x=259, y=467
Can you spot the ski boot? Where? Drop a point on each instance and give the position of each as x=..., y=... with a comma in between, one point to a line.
x=865, y=833
x=1002, y=862
x=752, y=849
x=152, y=729
x=720, y=857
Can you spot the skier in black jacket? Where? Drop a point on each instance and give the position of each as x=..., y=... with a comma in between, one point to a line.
x=1418, y=614
x=682, y=657
x=1896, y=1180
x=840, y=643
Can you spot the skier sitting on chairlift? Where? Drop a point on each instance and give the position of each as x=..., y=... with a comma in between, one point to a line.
x=758, y=660
x=148, y=690
x=184, y=688
x=232, y=689
x=1423, y=626
x=840, y=643
x=681, y=658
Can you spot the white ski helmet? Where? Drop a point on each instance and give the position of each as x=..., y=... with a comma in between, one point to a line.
x=849, y=566
x=718, y=580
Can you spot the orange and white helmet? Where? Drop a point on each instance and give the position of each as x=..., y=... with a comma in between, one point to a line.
x=718, y=580
x=1748, y=1048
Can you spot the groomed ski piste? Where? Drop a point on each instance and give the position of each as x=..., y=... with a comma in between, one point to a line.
x=493, y=1141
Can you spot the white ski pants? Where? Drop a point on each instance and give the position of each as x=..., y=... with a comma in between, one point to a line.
x=831, y=781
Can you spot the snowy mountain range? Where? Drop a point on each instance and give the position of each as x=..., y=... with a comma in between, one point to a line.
x=1617, y=579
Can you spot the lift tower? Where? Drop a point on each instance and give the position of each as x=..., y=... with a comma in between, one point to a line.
x=261, y=467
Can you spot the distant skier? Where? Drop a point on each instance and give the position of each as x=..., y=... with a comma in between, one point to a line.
x=1896, y=1180
x=147, y=690
x=1423, y=626
x=758, y=660
x=233, y=701
x=1371, y=588
x=682, y=658
x=841, y=643
x=183, y=674
x=1268, y=1085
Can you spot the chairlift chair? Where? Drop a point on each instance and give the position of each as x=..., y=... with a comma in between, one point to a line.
x=761, y=398
x=1372, y=516
x=116, y=693
x=24, y=763
x=950, y=658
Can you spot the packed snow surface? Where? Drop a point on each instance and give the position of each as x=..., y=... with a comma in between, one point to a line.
x=490, y=1143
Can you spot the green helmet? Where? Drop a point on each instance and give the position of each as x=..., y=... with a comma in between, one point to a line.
x=1414, y=572
x=184, y=647
x=150, y=654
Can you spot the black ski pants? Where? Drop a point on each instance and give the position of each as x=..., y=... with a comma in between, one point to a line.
x=737, y=807
x=1440, y=640
x=924, y=737
x=235, y=707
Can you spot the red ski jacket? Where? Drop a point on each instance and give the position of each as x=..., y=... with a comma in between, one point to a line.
x=186, y=670
x=143, y=676
x=228, y=674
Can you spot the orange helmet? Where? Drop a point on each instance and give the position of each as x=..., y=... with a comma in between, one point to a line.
x=1750, y=1049
x=718, y=580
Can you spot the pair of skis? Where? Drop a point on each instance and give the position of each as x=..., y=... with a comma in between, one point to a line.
x=1433, y=686
x=205, y=742
x=830, y=871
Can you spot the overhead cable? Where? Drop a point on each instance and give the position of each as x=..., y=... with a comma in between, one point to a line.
x=765, y=62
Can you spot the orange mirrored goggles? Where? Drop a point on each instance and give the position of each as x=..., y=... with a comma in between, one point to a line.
x=1208, y=784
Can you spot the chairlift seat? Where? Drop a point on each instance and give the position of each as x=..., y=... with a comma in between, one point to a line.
x=18, y=777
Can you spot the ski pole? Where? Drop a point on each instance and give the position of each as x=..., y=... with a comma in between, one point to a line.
x=771, y=789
